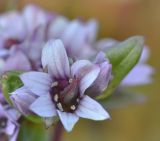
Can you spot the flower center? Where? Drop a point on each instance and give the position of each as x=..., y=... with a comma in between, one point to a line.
x=65, y=94
x=11, y=42
x=3, y=122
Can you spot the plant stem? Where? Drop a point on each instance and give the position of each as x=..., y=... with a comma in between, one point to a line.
x=58, y=132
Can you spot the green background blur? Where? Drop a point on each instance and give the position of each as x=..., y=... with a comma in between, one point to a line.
x=118, y=19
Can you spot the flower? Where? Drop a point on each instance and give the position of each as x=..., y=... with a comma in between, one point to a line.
x=11, y=33
x=142, y=68
x=15, y=60
x=62, y=90
x=35, y=27
x=9, y=127
x=78, y=46
x=20, y=40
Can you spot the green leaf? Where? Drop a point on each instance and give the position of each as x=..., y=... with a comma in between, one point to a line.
x=123, y=58
x=32, y=132
x=10, y=81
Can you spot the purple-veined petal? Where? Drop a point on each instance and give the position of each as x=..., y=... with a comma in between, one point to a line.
x=34, y=18
x=30, y=48
x=86, y=72
x=38, y=82
x=70, y=31
x=17, y=61
x=92, y=28
x=14, y=137
x=78, y=66
x=12, y=31
x=100, y=58
x=68, y=120
x=44, y=107
x=57, y=27
x=12, y=113
x=10, y=129
x=101, y=83
x=85, y=51
x=90, y=109
x=55, y=58
x=2, y=111
x=139, y=75
x=22, y=98
x=88, y=79
x=78, y=45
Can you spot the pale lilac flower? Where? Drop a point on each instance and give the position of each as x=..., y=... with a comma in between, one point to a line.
x=78, y=36
x=62, y=91
x=30, y=24
x=141, y=74
x=22, y=99
x=9, y=127
x=36, y=26
x=36, y=22
x=17, y=60
x=12, y=30
x=144, y=70
x=22, y=41
x=14, y=59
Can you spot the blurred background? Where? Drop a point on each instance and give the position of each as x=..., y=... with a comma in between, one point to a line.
x=118, y=19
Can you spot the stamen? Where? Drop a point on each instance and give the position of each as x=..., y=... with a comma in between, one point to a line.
x=77, y=100
x=70, y=80
x=46, y=69
x=3, y=124
x=54, y=84
x=73, y=107
x=59, y=105
x=56, y=97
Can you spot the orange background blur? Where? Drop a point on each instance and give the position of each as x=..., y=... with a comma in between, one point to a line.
x=118, y=19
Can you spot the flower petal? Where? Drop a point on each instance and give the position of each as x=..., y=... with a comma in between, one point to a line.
x=17, y=61
x=14, y=137
x=101, y=83
x=12, y=31
x=38, y=82
x=57, y=27
x=139, y=75
x=34, y=17
x=92, y=28
x=88, y=79
x=10, y=129
x=77, y=44
x=44, y=106
x=68, y=120
x=22, y=98
x=100, y=58
x=145, y=55
x=86, y=72
x=78, y=66
x=90, y=109
x=55, y=58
